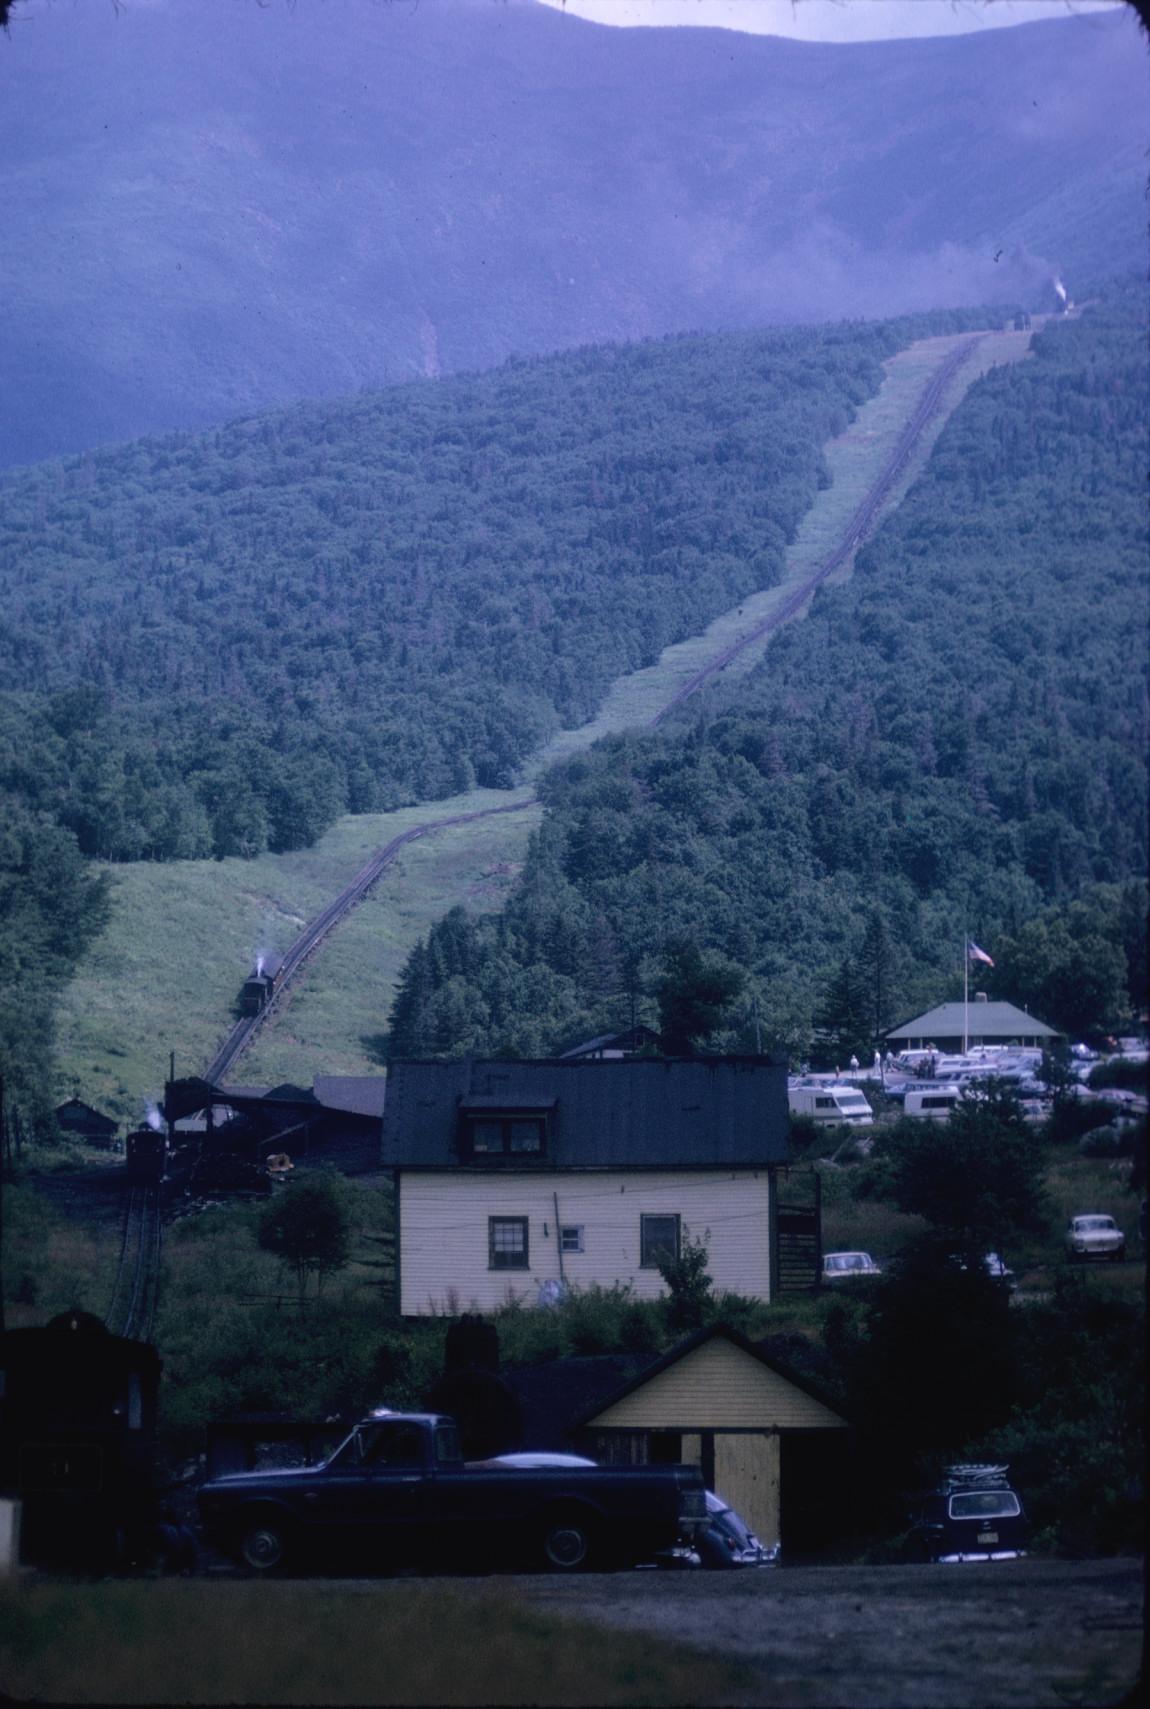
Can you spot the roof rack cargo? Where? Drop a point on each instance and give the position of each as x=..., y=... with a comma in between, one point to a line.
x=975, y=1477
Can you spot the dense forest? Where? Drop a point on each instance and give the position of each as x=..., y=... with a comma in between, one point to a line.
x=215, y=644
x=954, y=742
x=219, y=643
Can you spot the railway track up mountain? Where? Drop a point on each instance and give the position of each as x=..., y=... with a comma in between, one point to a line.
x=132, y=1306
x=863, y=519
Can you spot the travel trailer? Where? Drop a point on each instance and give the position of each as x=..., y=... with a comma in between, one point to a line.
x=831, y=1105
x=932, y=1103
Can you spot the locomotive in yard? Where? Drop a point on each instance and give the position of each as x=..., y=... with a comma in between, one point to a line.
x=77, y=1442
x=152, y=1159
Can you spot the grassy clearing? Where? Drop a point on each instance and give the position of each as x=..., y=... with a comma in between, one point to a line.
x=52, y=1262
x=167, y=971
x=154, y=1643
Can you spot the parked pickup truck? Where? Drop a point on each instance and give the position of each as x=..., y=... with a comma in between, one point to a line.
x=397, y=1490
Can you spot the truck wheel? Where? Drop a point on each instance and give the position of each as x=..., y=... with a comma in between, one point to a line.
x=262, y=1543
x=568, y=1542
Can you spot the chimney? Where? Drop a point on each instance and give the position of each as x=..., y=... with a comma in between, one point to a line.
x=980, y=996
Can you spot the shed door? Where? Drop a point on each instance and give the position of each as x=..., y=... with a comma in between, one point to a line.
x=747, y=1478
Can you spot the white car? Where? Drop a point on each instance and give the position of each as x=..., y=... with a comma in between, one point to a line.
x=1094, y=1236
x=845, y=1266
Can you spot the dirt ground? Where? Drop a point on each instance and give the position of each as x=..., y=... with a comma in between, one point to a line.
x=1030, y=1634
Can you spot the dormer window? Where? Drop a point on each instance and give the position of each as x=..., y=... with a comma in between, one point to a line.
x=489, y=1132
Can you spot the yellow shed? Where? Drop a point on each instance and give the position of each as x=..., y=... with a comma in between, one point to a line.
x=718, y=1402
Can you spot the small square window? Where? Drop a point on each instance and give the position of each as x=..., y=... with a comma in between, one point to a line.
x=571, y=1237
x=507, y=1243
x=658, y=1239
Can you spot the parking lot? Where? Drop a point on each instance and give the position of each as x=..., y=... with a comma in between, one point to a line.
x=1030, y=1634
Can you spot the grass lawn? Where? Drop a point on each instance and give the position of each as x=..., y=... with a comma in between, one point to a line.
x=194, y=1642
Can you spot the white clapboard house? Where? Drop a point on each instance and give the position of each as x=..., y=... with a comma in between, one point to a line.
x=516, y=1180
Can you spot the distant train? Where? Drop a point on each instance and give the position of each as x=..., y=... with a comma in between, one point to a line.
x=259, y=987
x=77, y=1442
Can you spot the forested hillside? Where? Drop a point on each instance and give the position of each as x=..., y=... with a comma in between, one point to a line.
x=953, y=741
x=216, y=644
x=212, y=209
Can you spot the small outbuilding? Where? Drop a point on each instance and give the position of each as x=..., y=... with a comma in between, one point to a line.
x=81, y=1121
x=768, y=1442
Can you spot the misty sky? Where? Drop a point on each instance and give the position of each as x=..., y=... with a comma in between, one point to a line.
x=831, y=20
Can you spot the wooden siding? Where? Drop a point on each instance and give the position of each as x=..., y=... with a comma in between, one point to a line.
x=747, y=1478
x=716, y=1387
x=443, y=1252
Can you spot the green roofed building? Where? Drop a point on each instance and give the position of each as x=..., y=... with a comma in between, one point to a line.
x=980, y=1021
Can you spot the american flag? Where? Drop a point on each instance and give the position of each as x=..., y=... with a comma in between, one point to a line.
x=976, y=954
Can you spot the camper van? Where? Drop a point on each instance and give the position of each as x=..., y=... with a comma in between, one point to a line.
x=933, y=1103
x=831, y=1105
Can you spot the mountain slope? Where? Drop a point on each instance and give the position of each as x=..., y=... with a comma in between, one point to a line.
x=951, y=741
x=208, y=210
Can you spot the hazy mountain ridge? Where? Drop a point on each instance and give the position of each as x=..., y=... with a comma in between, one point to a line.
x=363, y=193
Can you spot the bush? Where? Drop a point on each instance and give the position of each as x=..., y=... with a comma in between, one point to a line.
x=1126, y=1076
x=1109, y=1142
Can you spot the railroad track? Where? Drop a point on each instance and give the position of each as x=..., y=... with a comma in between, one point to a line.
x=861, y=522
x=132, y=1307
x=854, y=534
x=313, y=935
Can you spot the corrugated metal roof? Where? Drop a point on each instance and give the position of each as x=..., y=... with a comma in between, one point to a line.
x=982, y=1020
x=642, y=1113
x=357, y=1094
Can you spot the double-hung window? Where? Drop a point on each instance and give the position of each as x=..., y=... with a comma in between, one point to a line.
x=507, y=1243
x=658, y=1240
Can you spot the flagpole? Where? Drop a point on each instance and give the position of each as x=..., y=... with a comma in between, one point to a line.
x=965, y=992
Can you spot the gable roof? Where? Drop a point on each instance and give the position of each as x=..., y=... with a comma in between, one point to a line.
x=980, y=1020
x=643, y=1112
x=717, y=1332
x=92, y=1118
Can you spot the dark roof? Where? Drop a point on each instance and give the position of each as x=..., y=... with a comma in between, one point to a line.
x=266, y=967
x=557, y=1393
x=682, y=1348
x=92, y=1118
x=292, y=1094
x=643, y=1112
x=358, y=1094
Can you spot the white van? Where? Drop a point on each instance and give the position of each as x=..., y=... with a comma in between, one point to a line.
x=932, y=1104
x=831, y=1105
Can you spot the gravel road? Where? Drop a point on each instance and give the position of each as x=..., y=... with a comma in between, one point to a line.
x=1031, y=1634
